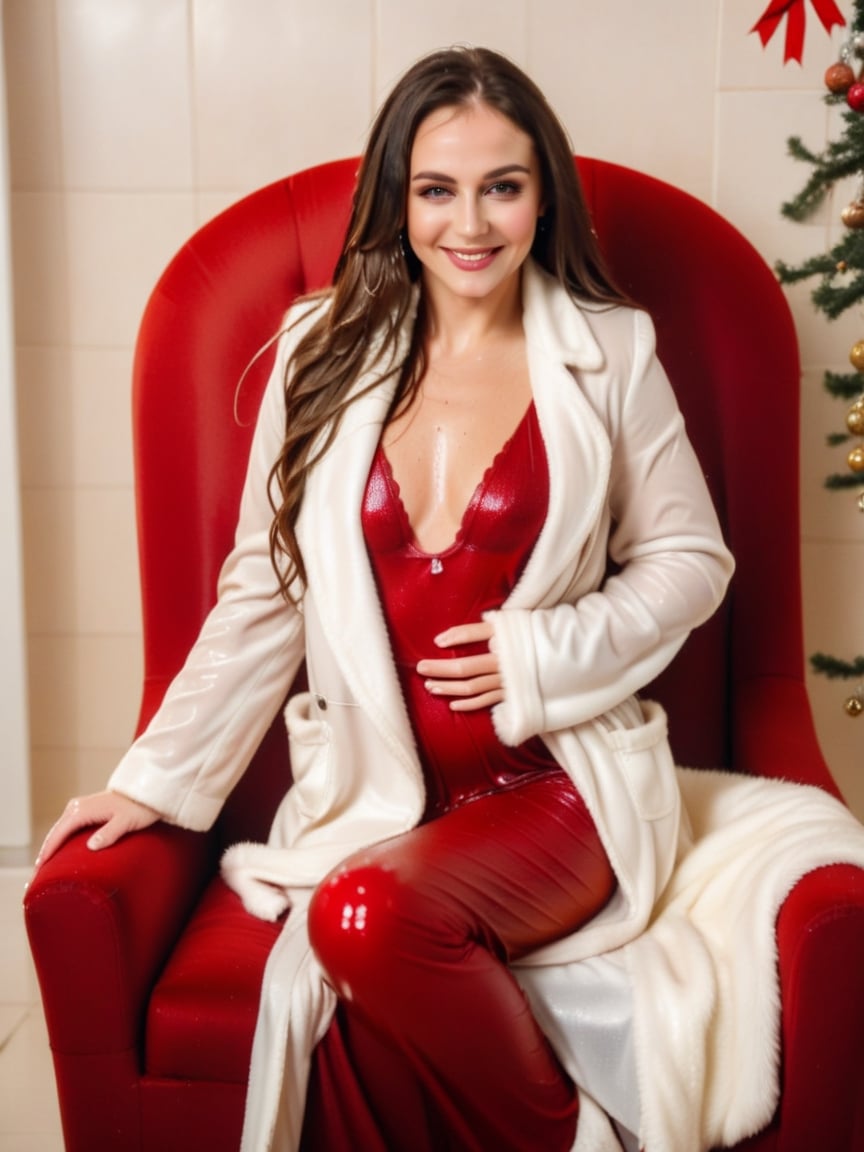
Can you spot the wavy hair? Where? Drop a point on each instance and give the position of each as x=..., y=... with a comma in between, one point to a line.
x=372, y=295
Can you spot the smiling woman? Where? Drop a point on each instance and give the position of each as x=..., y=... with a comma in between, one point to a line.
x=456, y=440
x=473, y=207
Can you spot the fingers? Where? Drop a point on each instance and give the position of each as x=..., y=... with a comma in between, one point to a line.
x=474, y=682
x=470, y=695
x=115, y=815
x=459, y=667
x=465, y=634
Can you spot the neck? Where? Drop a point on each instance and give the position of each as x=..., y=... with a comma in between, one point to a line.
x=457, y=326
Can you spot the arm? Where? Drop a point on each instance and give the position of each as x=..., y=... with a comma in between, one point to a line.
x=234, y=680
x=238, y=672
x=565, y=664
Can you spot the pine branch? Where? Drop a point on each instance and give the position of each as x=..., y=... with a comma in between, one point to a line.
x=836, y=669
x=845, y=386
x=834, y=300
x=843, y=480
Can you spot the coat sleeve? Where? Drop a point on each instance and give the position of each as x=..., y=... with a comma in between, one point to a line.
x=567, y=664
x=239, y=670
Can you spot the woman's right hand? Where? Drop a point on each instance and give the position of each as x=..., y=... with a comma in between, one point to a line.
x=116, y=816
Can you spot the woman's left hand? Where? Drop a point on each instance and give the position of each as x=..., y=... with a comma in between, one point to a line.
x=474, y=682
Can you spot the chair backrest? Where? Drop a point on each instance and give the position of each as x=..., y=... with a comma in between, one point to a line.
x=725, y=336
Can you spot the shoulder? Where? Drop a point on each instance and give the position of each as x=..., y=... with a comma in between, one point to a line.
x=587, y=335
x=301, y=317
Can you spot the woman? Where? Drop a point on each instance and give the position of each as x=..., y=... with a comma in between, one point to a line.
x=456, y=441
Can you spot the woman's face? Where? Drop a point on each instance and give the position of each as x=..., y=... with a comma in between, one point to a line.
x=474, y=196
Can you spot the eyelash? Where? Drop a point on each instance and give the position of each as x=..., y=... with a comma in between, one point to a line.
x=503, y=188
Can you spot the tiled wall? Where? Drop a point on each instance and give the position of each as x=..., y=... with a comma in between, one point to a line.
x=133, y=121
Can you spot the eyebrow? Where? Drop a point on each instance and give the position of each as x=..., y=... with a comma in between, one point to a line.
x=495, y=174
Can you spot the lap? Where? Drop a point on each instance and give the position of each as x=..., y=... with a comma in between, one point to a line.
x=516, y=868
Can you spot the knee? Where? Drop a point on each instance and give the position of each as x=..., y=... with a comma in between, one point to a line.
x=353, y=926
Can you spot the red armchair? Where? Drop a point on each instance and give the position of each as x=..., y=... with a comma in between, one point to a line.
x=148, y=966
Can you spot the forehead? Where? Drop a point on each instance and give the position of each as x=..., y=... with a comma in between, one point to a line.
x=475, y=133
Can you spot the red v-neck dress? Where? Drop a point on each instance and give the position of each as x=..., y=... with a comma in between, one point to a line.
x=422, y=594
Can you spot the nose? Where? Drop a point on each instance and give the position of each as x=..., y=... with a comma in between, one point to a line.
x=471, y=218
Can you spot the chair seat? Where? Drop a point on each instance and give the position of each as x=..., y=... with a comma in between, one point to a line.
x=202, y=1012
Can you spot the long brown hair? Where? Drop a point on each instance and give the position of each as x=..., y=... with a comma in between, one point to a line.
x=372, y=296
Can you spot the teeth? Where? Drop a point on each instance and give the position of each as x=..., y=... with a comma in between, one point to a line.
x=471, y=255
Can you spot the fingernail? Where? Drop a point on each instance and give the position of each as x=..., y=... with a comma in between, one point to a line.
x=95, y=842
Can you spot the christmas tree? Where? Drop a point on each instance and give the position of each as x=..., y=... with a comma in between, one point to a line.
x=841, y=284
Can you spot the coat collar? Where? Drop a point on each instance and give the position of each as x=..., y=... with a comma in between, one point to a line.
x=555, y=323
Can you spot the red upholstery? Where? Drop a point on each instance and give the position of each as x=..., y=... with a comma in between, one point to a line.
x=148, y=966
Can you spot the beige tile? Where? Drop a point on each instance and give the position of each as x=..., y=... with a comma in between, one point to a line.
x=37, y=1141
x=74, y=416
x=81, y=561
x=744, y=63
x=84, y=690
x=29, y=1113
x=280, y=92
x=40, y=268
x=11, y=1016
x=18, y=987
x=627, y=92
x=406, y=31
x=125, y=94
x=60, y=773
x=33, y=105
x=210, y=204
x=118, y=247
x=755, y=174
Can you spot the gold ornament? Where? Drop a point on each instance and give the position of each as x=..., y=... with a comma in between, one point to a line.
x=856, y=355
x=854, y=707
x=855, y=418
x=855, y=459
x=841, y=266
x=853, y=214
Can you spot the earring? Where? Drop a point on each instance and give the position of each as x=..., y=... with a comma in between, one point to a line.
x=374, y=289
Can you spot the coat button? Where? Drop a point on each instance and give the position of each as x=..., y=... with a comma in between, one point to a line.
x=321, y=702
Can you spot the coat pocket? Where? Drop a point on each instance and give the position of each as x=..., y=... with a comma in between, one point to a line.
x=311, y=750
x=645, y=758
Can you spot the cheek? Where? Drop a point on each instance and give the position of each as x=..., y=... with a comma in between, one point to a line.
x=423, y=223
x=523, y=224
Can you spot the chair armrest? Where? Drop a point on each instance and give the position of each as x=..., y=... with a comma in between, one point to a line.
x=774, y=733
x=820, y=939
x=101, y=925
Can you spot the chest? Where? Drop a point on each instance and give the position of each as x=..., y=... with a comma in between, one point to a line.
x=441, y=446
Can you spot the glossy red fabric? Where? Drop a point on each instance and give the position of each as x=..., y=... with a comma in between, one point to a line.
x=422, y=594
x=435, y=1048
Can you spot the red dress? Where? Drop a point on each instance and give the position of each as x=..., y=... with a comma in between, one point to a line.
x=423, y=594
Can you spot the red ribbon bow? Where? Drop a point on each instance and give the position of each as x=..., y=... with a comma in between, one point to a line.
x=769, y=21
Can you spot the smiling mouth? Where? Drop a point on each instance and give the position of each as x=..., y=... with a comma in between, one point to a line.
x=476, y=258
